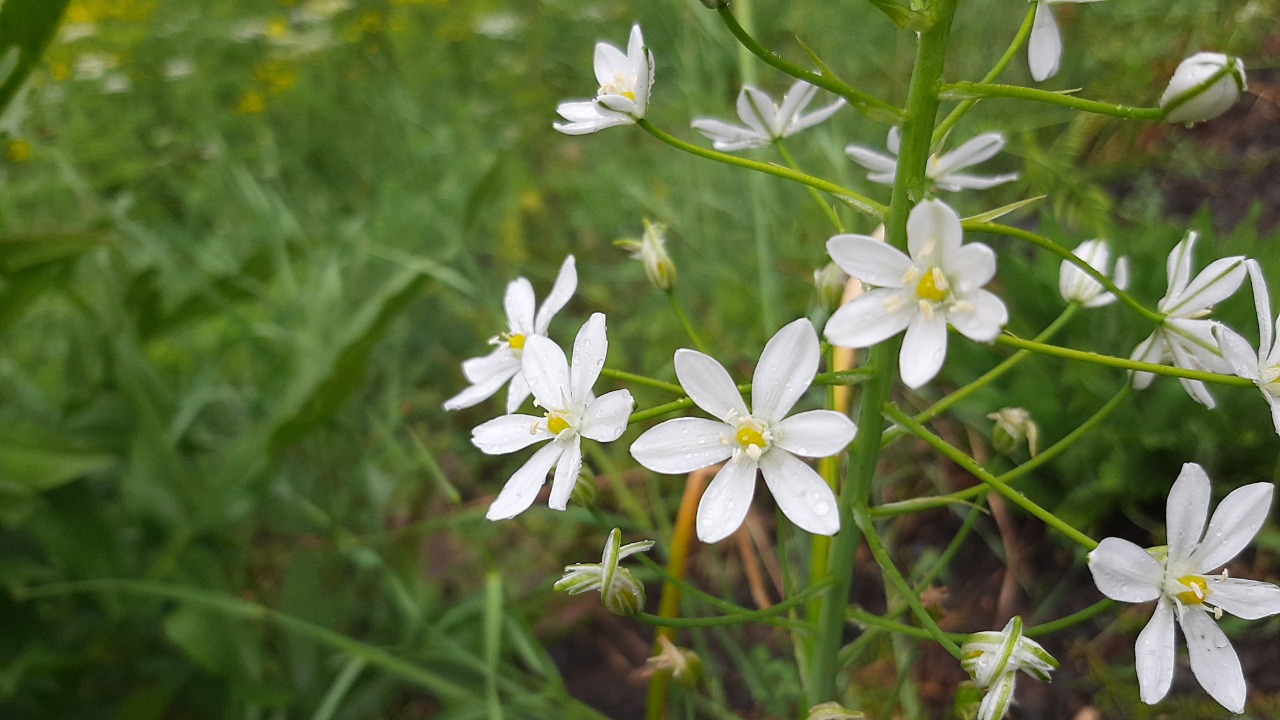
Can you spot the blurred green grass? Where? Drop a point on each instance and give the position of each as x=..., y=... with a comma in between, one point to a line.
x=286, y=223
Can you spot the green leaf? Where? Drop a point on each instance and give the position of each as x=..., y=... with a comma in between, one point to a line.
x=44, y=466
x=207, y=637
x=318, y=395
x=26, y=27
x=25, y=252
x=990, y=215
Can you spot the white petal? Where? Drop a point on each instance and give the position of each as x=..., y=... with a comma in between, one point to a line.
x=870, y=159
x=585, y=125
x=509, y=433
x=984, y=321
x=1261, y=304
x=894, y=139
x=567, y=469
x=805, y=122
x=883, y=178
x=1274, y=402
x=622, y=105
x=1151, y=350
x=933, y=232
x=1125, y=572
x=606, y=417
x=955, y=182
x=814, y=433
x=869, y=260
x=708, y=384
x=729, y=138
x=499, y=362
x=475, y=394
x=725, y=503
x=756, y=109
x=1178, y=267
x=970, y=266
x=566, y=283
x=971, y=152
x=1248, y=599
x=785, y=370
x=802, y=495
x=644, y=82
x=870, y=318
x=995, y=704
x=683, y=445
x=1213, y=660
x=589, y=350
x=1237, y=520
x=518, y=303
x=1154, y=653
x=796, y=99
x=1214, y=284
x=547, y=372
x=522, y=489
x=1044, y=49
x=609, y=63
x=924, y=348
x=1186, y=511
x=517, y=392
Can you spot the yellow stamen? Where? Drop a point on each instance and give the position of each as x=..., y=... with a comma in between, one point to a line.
x=748, y=436
x=516, y=342
x=556, y=424
x=1198, y=590
x=933, y=286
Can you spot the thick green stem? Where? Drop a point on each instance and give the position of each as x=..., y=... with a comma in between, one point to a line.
x=1123, y=363
x=909, y=188
x=972, y=91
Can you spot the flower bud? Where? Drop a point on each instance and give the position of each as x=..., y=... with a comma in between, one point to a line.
x=833, y=711
x=651, y=249
x=1013, y=427
x=619, y=590
x=1078, y=287
x=830, y=282
x=584, y=490
x=1202, y=88
x=683, y=664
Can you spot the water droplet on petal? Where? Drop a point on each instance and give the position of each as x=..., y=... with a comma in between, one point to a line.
x=821, y=508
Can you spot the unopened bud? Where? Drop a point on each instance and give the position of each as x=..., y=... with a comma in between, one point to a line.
x=1014, y=426
x=1203, y=87
x=830, y=282
x=683, y=664
x=833, y=711
x=620, y=592
x=651, y=250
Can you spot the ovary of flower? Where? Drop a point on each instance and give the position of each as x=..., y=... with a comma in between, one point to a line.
x=1078, y=287
x=524, y=320
x=1181, y=579
x=942, y=170
x=623, y=96
x=1262, y=366
x=766, y=120
x=572, y=413
x=1044, y=47
x=762, y=438
x=1185, y=338
x=940, y=283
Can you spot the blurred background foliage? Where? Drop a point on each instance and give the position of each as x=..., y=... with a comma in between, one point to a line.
x=244, y=245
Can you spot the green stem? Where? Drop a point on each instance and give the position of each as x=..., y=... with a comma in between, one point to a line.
x=734, y=619
x=865, y=103
x=904, y=507
x=635, y=379
x=856, y=200
x=1123, y=363
x=944, y=127
x=969, y=464
x=827, y=210
x=1074, y=618
x=1045, y=243
x=685, y=323
x=972, y=90
x=693, y=592
x=869, y=619
x=855, y=496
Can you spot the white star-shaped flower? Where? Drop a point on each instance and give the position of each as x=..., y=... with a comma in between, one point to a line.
x=1181, y=579
x=941, y=282
x=1078, y=287
x=572, y=413
x=943, y=170
x=762, y=438
x=993, y=660
x=1263, y=366
x=765, y=120
x=623, y=97
x=1044, y=48
x=524, y=320
x=1185, y=338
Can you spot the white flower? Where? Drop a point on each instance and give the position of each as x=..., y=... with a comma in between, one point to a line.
x=943, y=170
x=524, y=320
x=572, y=413
x=620, y=592
x=993, y=660
x=766, y=120
x=623, y=98
x=651, y=250
x=1044, y=49
x=1262, y=367
x=761, y=438
x=1078, y=287
x=1186, y=101
x=1186, y=337
x=1181, y=579
x=941, y=282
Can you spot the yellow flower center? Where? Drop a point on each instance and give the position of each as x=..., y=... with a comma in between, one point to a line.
x=1197, y=590
x=933, y=286
x=555, y=423
x=516, y=342
x=748, y=436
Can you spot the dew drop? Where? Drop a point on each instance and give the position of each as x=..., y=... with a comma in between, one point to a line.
x=821, y=508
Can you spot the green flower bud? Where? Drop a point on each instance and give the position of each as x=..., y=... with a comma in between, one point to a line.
x=683, y=664
x=1203, y=87
x=619, y=590
x=830, y=282
x=1013, y=427
x=651, y=249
